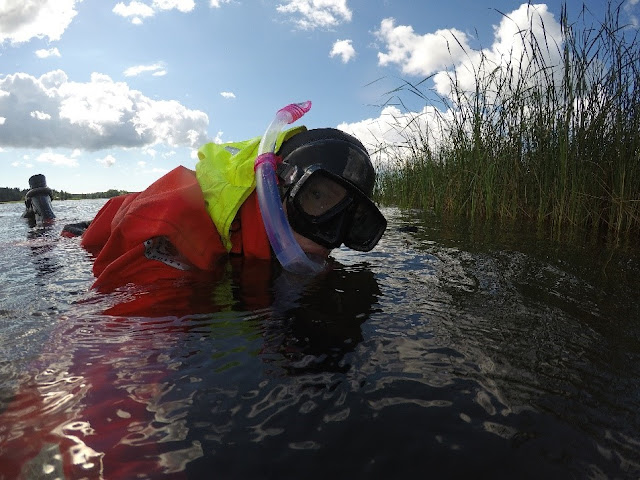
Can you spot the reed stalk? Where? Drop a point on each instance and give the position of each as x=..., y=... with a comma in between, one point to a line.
x=553, y=138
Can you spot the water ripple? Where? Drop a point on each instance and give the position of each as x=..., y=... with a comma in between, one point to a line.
x=505, y=358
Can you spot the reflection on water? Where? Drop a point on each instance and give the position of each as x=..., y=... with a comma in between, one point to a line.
x=41, y=241
x=443, y=352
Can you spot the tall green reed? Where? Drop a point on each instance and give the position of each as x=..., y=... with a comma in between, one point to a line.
x=551, y=135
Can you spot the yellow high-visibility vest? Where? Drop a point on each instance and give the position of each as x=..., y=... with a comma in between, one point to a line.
x=226, y=176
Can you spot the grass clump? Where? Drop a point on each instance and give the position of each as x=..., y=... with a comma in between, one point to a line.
x=551, y=135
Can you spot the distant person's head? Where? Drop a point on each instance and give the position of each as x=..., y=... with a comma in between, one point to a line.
x=38, y=201
x=327, y=181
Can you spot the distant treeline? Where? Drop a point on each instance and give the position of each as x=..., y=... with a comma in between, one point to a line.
x=16, y=194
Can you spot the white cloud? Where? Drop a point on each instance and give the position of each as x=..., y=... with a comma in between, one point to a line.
x=390, y=135
x=137, y=11
x=513, y=43
x=169, y=122
x=217, y=3
x=57, y=159
x=3, y=120
x=44, y=53
x=310, y=14
x=156, y=69
x=228, y=94
x=107, y=161
x=40, y=115
x=344, y=49
x=20, y=21
x=183, y=6
x=218, y=138
x=420, y=54
x=447, y=51
x=93, y=115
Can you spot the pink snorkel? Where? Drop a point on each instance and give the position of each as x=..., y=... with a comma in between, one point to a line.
x=283, y=243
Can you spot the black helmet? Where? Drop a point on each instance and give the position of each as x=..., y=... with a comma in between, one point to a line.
x=327, y=179
x=336, y=151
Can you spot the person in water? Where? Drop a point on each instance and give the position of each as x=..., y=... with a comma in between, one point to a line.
x=37, y=202
x=188, y=220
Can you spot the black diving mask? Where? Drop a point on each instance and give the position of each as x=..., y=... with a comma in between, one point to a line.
x=330, y=210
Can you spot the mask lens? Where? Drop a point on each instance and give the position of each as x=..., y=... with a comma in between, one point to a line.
x=319, y=195
x=367, y=226
x=330, y=211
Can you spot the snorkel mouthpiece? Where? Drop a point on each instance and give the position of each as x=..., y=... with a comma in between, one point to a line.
x=283, y=243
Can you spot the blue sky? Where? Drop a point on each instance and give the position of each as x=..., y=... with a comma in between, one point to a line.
x=99, y=94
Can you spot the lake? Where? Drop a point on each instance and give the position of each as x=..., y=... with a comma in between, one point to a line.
x=449, y=351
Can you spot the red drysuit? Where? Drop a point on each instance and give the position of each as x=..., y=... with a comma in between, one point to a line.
x=123, y=232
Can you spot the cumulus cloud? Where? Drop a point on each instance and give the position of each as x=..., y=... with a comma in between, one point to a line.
x=156, y=69
x=218, y=3
x=310, y=14
x=137, y=11
x=107, y=161
x=447, y=51
x=44, y=53
x=343, y=49
x=228, y=94
x=20, y=21
x=94, y=115
x=389, y=136
x=40, y=115
x=420, y=54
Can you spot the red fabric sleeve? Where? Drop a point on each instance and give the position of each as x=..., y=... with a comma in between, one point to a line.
x=172, y=207
x=97, y=234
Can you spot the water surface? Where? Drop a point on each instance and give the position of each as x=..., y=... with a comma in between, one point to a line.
x=448, y=351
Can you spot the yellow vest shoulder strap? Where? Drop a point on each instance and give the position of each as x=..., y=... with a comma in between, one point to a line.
x=226, y=177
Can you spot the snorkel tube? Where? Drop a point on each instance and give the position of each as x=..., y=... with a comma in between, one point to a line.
x=283, y=243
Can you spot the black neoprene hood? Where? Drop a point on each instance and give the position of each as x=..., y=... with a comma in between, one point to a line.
x=334, y=151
